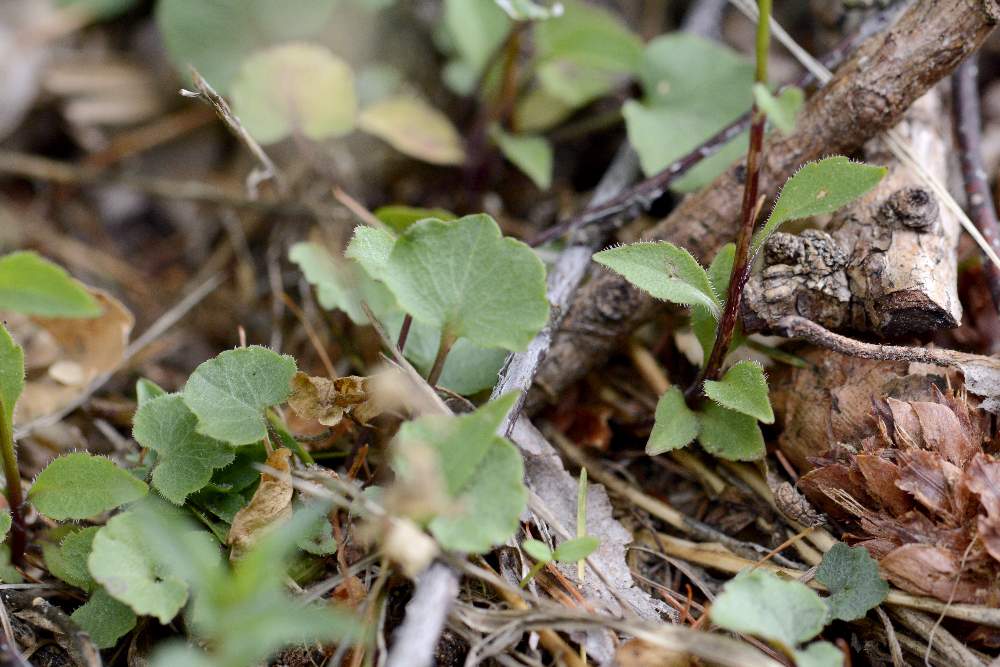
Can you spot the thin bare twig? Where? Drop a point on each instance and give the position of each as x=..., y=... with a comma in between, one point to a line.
x=968, y=133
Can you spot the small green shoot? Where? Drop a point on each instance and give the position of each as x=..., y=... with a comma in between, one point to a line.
x=852, y=577
x=569, y=551
x=11, y=386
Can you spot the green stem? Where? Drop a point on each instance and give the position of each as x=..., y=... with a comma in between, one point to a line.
x=287, y=439
x=447, y=340
x=741, y=265
x=535, y=569
x=15, y=494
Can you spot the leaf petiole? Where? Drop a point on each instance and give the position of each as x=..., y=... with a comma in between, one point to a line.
x=444, y=347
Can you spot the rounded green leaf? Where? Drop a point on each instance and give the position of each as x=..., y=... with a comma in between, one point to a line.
x=760, y=603
x=371, y=248
x=400, y=217
x=122, y=562
x=216, y=37
x=744, y=389
x=537, y=550
x=104, y=618
x=414, y=128
x=852, y=577
x=185, y=458
x=33, y=285
x=532, y=154
x=729, y=434
x=576, y=549
x=482, y=472
x=664, y=270
x=80, y=486
x=676, y=425
x=228, y=394
x=781, y=109
x=819, y=654
x=68, y=559
x=467, y=279
x=295, y=88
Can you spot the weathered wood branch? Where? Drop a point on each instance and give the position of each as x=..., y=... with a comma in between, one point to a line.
x=869, y=94
x=886, y=264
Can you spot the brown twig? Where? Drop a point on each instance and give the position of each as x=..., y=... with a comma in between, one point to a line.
x=968, y=133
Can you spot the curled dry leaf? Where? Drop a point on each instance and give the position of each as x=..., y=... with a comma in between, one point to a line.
x=407, y=546
x=921, y=495
x=329, y=401
x=64, y=355
x=271, y=505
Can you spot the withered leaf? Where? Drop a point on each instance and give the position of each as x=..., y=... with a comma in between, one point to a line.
x=930, y=570
x=270, y=506
x=329, y=401
x=983, y=479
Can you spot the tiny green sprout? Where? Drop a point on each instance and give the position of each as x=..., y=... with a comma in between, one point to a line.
x=569, y=551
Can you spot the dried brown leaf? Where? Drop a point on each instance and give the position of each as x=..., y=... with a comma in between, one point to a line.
x=329, y=401
x=882, y=477
x=983, y=479
x=271, y=504
x=73, y=353
x=931, y=570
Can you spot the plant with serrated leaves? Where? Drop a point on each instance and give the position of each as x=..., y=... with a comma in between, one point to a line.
x=437, y=282
x=787, y=614
x=482, y=474
x=722, y=413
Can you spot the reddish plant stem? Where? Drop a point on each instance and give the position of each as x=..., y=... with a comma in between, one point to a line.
x=447, y=340
x=741, y=269
x=404, y=332
x=748, y=217
x=968, y=132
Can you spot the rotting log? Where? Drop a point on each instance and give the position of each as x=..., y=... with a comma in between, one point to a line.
x=868, y=95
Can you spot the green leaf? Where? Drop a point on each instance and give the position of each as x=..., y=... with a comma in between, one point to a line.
x=476, y=28
x=664, y=270
x=146, y=390
x=703, y=322
x=5, y=523
x=584, y=53
x=80, y=486
x=185, y=458
x=470, y=281
x=341, y=285
x=852, y=577
x=537, y=550
x=781, y=110
x=482, y=473
x=761, y=604
x=371, y=247
x=228, y=394
x=399, y=218
x=11, y=375
x=694, y=87
x=68, y=559
x=131, y=571
x=318, y=539
x=819, y=654
x=33, y=285
x=105, y=619
x=414, y=128
x=293, y=88
x=217, y=37
x=744, y=389
x=469, y=367
x=532, y=154
x=177, y=653
x=819, y=188
x=8, y=573
x=729, y=434
x=675, y=426
x=576, y=549
x=721, y=270
x=528, y=10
